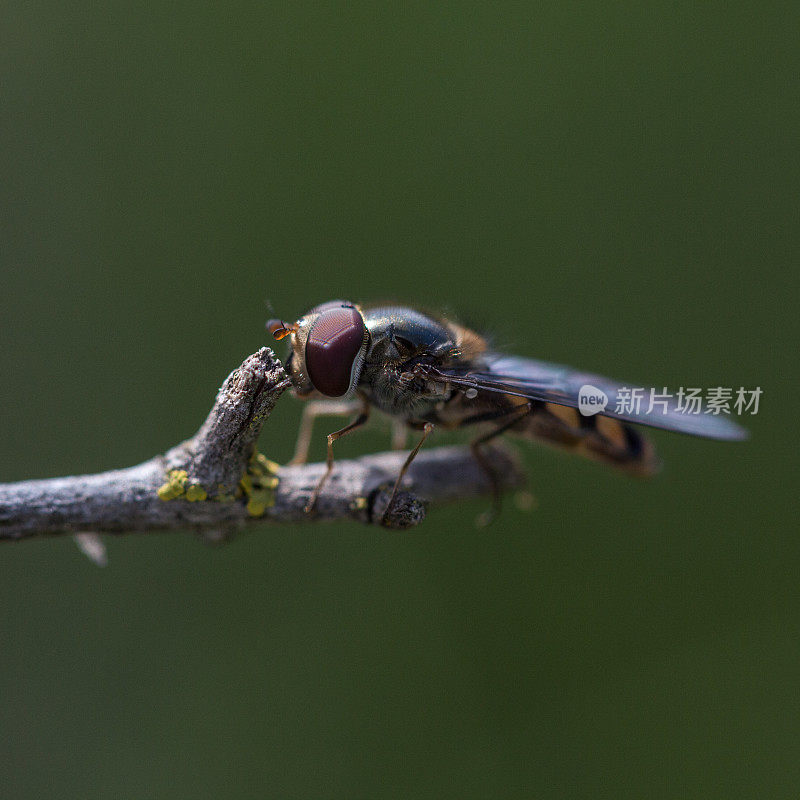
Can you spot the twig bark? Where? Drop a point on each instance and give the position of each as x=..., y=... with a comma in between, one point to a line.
x=215, y=482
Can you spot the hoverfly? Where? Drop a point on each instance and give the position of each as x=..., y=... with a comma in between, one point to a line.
x=426, y=372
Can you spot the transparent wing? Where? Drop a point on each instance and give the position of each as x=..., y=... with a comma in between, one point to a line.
x=552, y=383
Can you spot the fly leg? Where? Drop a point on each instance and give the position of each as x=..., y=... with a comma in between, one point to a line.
x=332, y=437
x=399, y=434
x=428, y=427
x=515, y=414
x=312, y=410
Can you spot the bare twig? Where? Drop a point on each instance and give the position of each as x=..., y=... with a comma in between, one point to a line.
x=216, y=482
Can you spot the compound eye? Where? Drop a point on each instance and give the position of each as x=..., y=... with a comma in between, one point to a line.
x=334, y=342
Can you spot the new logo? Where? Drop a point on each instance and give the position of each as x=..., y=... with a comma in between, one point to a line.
x=591, y=400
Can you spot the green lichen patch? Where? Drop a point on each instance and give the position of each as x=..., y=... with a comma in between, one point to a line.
x=178, y=485
x=195, y=492
x=258, y=484
x=175, y=485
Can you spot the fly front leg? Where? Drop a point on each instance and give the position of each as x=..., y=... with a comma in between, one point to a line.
x=332, y=437
x=320, y=408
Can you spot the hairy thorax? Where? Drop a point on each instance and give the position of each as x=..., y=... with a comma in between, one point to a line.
x=400, y=393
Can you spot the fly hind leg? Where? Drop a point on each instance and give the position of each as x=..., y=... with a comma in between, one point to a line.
x=513, y=416
x=426, y=430
x=399, y=434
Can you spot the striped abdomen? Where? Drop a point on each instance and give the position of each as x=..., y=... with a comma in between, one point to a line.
x=601, y=438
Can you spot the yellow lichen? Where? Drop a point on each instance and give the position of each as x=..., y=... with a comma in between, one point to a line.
x=255, y=509
x=196, y=492
x=269, y=466
x=258, y=483
x=175, y=485
x=167, y=492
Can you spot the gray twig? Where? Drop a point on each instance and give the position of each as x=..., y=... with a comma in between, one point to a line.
x=216, y=482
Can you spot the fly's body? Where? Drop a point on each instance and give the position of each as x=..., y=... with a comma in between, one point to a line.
x=426, y=371
x=401, y=336
x=398, y=336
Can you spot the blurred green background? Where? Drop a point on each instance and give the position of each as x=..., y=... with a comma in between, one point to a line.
x=613, y=186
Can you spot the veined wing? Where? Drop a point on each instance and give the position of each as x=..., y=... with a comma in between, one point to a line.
x=553, y=383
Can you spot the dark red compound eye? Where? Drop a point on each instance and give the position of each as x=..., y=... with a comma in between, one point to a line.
x=334, y=341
